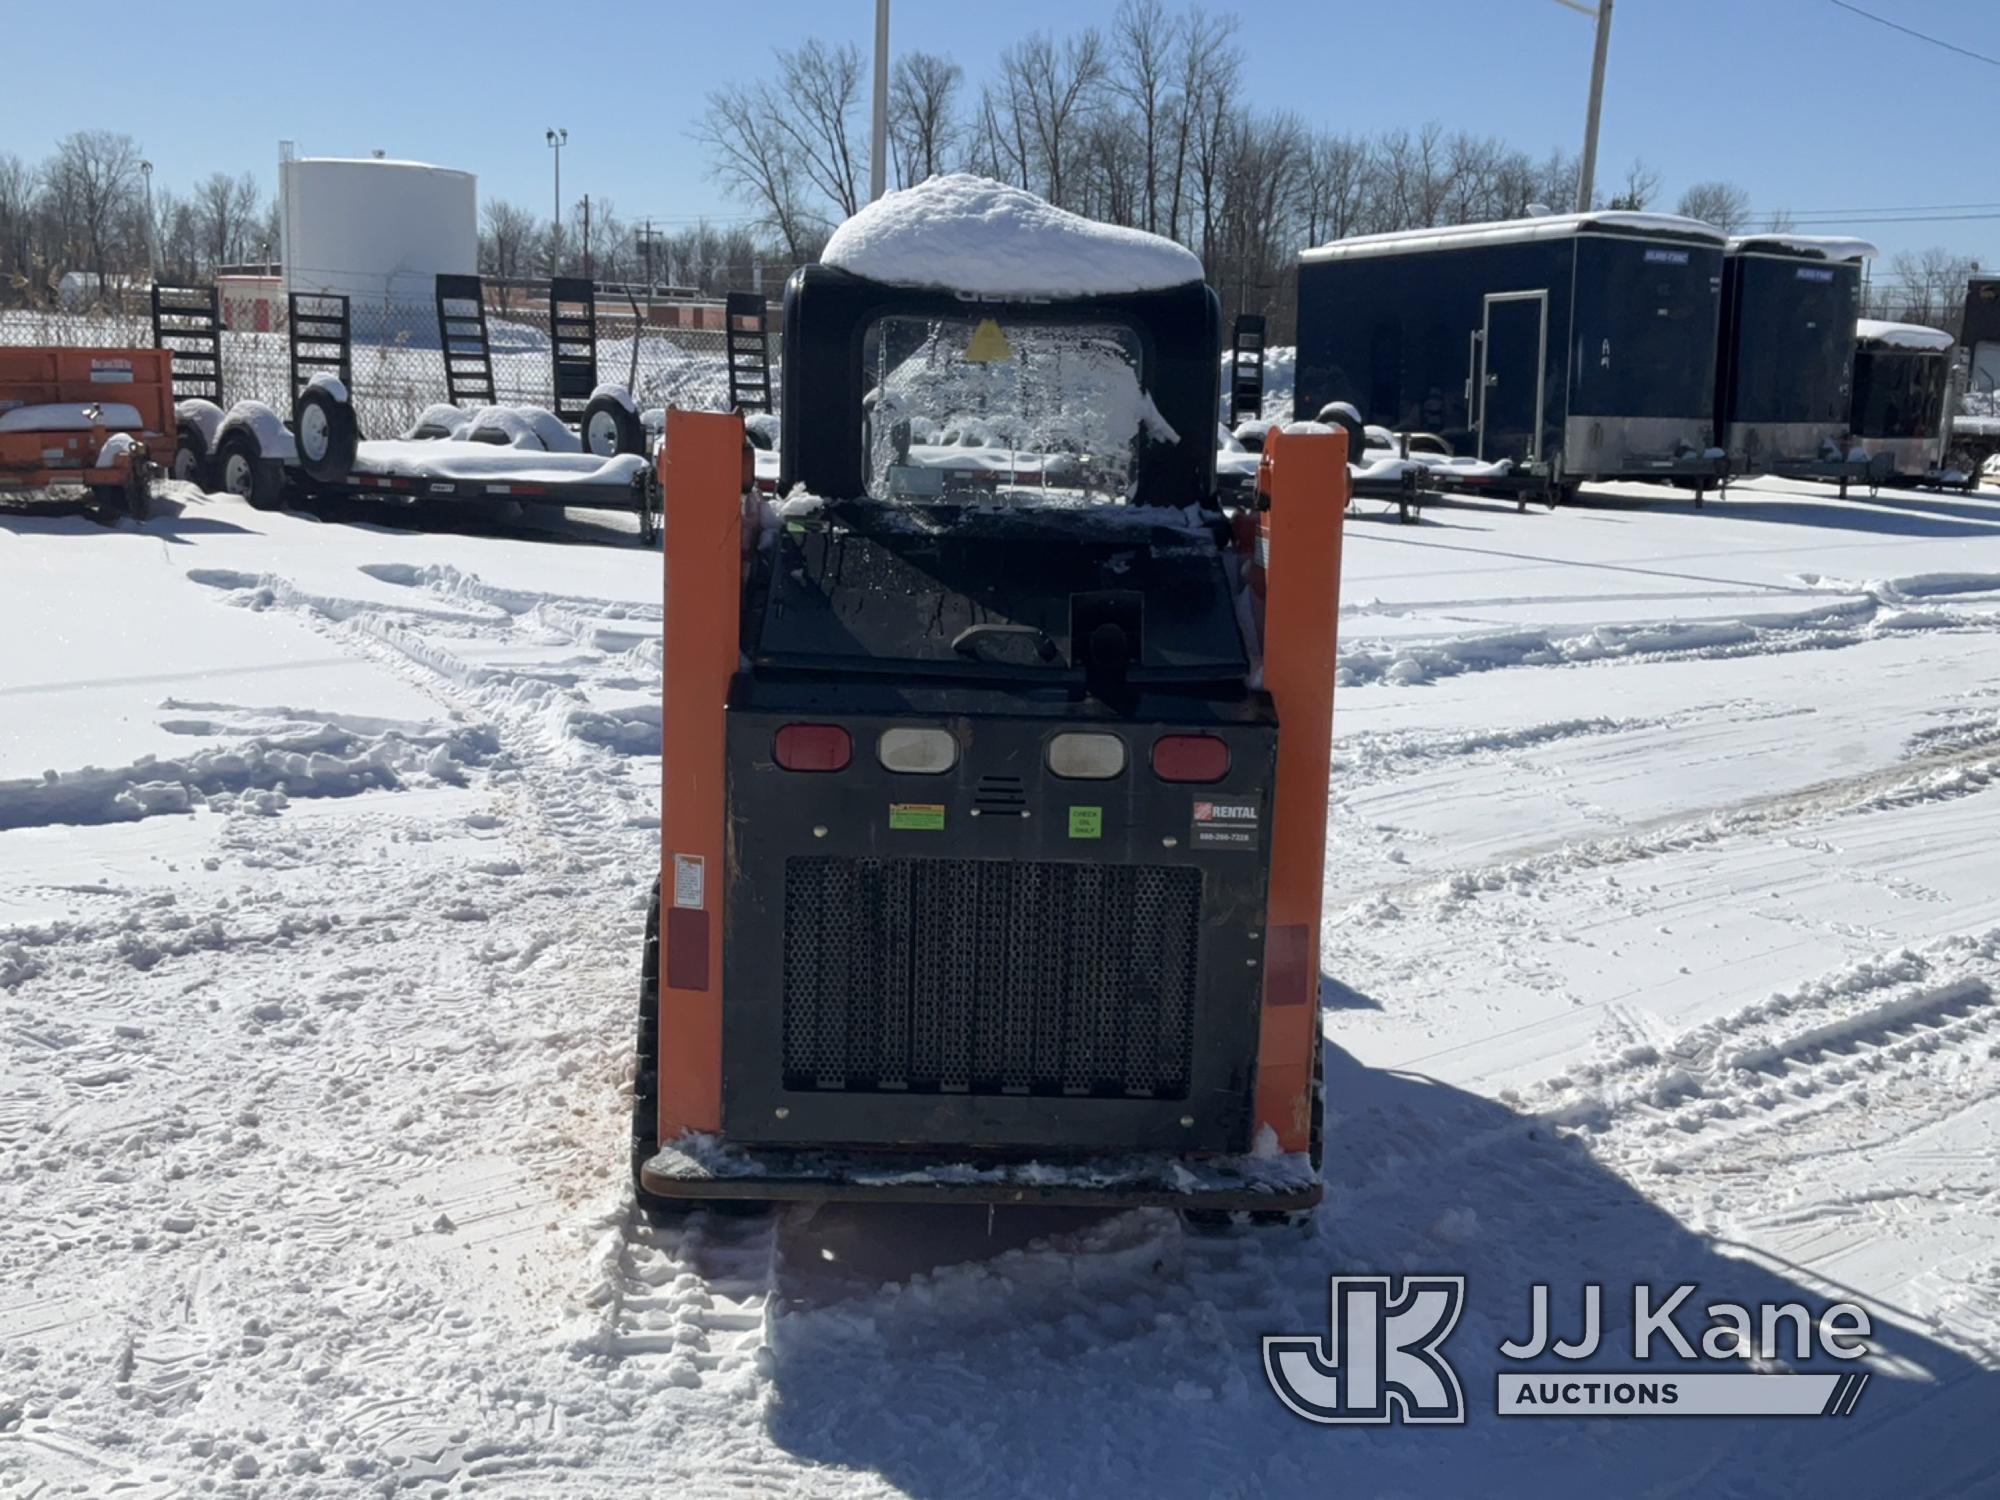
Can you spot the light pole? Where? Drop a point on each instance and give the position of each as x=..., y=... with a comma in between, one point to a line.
x=152, y=237
x=1586, y=177
x=558, y=138
x=878, y=135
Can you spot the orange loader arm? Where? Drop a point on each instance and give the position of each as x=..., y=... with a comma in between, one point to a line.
x=1303, y=484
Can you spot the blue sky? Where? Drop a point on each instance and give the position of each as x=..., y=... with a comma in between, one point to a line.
x=1805, y=104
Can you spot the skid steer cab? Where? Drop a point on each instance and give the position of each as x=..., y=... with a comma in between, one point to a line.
x=995, y=771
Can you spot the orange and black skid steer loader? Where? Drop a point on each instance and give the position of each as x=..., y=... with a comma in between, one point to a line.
x=995, y=781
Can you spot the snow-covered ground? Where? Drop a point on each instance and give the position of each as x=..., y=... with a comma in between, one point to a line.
x=1663, y=943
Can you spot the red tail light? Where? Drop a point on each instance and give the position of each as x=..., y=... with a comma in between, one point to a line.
x=813, y=747
x=1190, y=757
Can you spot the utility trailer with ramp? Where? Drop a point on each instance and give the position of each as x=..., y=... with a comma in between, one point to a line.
x=453, y=455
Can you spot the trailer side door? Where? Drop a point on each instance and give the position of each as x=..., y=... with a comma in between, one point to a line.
x=1513, y=360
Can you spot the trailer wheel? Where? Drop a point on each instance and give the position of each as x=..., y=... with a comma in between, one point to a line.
x=243, y=471
x=648, y=490
x=610, y=428
x=134, y=496
x=327, y=434
x=191, y=457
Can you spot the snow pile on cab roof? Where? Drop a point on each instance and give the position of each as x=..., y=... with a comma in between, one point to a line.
x=1901, y=335
x=1509, y=231
x=972, y=234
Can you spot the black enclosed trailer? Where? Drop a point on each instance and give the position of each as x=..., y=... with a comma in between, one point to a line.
x=1975, y=429
x=1903, y=392
x=1574, y=346
x=1784, y=366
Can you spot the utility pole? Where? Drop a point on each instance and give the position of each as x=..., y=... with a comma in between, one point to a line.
x=152, y=235
x=557, y=140
x=1586, y=180
x=878, y=135
x=586, y=236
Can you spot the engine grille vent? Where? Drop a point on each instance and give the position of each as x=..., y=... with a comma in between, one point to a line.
x=1000, y=797
x=989, y=976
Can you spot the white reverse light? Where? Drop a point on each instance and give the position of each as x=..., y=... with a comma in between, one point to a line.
x=917, y=752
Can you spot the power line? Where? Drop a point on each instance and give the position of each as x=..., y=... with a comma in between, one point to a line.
x=1894, y=208
x=1802, y=222
x=1993, y=62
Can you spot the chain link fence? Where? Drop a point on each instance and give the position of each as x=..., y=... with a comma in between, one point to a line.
x=662, y=352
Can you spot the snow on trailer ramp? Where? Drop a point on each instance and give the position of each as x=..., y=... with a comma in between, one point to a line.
x=452, y=459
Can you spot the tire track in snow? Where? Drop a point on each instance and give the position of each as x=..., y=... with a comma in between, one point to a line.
x=1775, y=1065
x=400, y=1406
x=1951, y=771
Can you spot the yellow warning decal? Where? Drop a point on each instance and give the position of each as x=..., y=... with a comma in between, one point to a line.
x=988, y=345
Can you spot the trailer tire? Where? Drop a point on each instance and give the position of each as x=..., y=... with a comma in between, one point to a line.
x=242, y=470
x=1357, y=433
x=610, y=427
x=191, y=465
x=327, y=434
x=648, y=488
x=134, y=495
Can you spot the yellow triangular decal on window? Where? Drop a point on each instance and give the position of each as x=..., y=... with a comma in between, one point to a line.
x=988, y=345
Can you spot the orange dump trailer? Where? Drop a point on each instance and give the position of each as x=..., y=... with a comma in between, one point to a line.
x=90, y=417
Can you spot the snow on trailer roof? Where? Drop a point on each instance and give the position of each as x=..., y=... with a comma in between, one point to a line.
x=967, y=233
x=1516, y=231
x=1901, y=335
x=1812, y=246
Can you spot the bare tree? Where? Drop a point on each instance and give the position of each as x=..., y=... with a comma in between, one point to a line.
x=93, y=180
x=819, y=90
x=1779, y=220
x=507, y=232
x=1642, y=186
x=1926, y=288
x=1205, y=72
x=226, y=218
x=923, y=119
x=1723, y=204
x=18, y=188
x=1142, y=41
x=1331, y=187
x=1051, y=89
x=756, y=158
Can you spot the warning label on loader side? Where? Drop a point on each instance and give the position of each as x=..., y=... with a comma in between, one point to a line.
x=922, y=816
x=1225, y=825
x=690, y=881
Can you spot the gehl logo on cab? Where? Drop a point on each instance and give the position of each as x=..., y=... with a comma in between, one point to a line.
x=1382, y=1359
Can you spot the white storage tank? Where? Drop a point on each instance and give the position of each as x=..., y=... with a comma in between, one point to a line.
x=378, y=230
